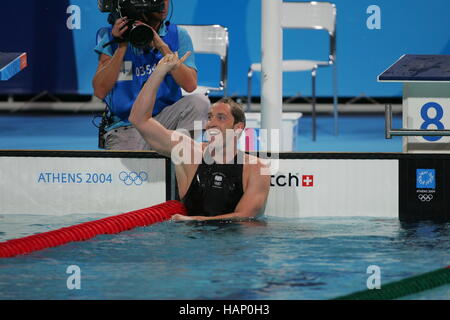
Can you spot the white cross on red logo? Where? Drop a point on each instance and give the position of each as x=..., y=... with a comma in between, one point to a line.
x=307, y=181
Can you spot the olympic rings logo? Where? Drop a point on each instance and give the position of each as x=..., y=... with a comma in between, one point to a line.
x=425, y=197
x=130, y=178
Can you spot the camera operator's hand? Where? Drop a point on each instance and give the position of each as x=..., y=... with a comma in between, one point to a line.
x=120, y=27
x=159, y=44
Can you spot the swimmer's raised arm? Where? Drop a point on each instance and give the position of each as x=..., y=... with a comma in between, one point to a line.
x=151, y=130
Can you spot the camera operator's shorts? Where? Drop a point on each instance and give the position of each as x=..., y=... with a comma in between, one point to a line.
x=180, y=115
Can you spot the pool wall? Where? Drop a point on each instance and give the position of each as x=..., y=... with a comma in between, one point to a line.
x=59, y=183
x=407, y=186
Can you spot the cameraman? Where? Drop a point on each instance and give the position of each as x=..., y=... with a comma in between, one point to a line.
x=124, y=69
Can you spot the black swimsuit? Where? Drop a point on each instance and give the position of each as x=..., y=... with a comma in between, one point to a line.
x=215, y=189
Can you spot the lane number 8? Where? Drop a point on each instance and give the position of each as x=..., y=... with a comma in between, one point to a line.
x=429, y=121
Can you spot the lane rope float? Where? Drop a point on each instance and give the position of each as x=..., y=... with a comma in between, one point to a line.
x=87, y=230
x=404, y=287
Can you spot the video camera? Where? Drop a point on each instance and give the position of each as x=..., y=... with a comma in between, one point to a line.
x=139, y=36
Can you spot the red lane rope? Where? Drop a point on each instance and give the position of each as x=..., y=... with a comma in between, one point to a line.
x=88, y=230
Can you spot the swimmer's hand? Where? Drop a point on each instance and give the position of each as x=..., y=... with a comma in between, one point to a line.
x=180, y=217
x=170, y=62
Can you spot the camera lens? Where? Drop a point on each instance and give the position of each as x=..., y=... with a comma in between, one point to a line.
x=141, y=36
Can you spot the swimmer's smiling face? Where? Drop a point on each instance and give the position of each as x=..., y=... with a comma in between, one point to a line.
x=220, y=119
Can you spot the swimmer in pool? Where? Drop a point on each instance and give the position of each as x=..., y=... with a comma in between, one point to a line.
x=215, y=180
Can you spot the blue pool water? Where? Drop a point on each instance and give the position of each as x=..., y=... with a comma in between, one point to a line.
x=308, y=258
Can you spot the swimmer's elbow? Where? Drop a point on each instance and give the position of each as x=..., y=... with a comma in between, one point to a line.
x=139, y=122
x=246, y=214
